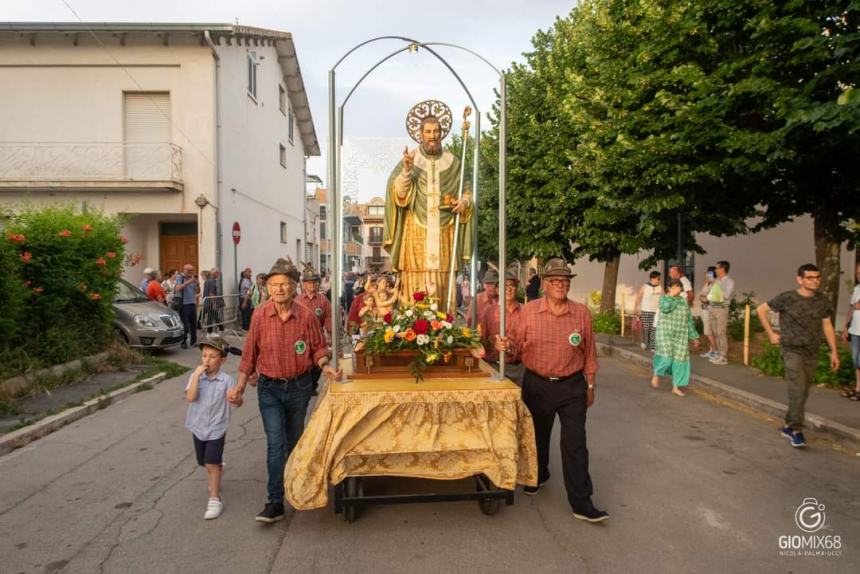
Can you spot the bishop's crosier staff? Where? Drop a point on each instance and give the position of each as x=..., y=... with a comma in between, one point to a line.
x=451, y=275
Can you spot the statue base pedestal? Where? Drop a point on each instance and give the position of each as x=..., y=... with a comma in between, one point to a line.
x=395, y=365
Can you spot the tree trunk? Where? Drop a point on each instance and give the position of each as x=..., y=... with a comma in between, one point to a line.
x=827, y=258
x=610, y=282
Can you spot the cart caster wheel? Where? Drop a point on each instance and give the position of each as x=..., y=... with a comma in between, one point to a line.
x=490, y=506
x=349, y=510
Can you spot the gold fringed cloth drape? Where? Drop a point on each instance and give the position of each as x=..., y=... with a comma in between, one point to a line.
x=439, y=429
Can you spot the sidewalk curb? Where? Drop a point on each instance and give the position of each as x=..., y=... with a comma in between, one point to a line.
x=22, y=437
x=759, y=403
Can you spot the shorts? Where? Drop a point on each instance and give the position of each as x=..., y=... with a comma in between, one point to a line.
x=209, y=451
x=706, y=323
x=855, y=350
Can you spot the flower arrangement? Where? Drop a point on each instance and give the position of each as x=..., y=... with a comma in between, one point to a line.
x=420, y=327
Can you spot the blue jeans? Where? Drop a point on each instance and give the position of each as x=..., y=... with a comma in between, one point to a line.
x=189, y=322
x=855, y=350
x=283, y=408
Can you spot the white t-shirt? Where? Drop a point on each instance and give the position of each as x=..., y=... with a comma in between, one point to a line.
x=686, y=285
x=855, y=316
x=651, y=297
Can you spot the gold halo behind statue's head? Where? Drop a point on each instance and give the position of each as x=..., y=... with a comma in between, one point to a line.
x=424, y=110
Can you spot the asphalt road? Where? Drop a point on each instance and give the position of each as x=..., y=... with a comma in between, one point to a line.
x=692, y=485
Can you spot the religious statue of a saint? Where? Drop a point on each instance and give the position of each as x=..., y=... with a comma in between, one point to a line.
x=421, y=207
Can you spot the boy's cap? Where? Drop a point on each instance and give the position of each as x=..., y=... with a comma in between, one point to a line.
x=215, y=343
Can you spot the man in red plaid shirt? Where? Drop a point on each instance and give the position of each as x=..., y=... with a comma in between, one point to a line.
x=285, y=342
x=554, y=340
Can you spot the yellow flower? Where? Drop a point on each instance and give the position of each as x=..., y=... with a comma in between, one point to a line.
x=440, y=315
x=389, y=335
x=467, y=332
x=431, y=358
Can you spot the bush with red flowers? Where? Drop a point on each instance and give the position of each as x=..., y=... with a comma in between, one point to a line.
x=46, y=255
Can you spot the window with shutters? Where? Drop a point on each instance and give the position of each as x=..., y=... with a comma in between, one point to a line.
x=252, y=75
x=282, y=99
x=282, y=151
x=146, y=135
x=283, y=232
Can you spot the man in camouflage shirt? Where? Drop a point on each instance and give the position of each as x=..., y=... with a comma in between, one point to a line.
x=803, y=315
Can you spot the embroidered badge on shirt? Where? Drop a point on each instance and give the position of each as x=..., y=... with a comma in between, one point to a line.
x=575, y=339
x=318, y=311
x=301, y=347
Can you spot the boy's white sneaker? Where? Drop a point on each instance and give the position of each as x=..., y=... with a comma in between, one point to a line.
x=213, y=508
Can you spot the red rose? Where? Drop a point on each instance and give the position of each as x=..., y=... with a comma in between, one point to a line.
x=110, y=255
x=450, y=318
x=421, y=326
x=65, y=233
x=101, y=262
x=418, y=296
x=387, y=317
x=87, y=228
x=122, y=238
x=26, y=256
x=18, y=238
x=95, y=297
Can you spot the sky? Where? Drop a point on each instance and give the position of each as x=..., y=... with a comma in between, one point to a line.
x=324, y=30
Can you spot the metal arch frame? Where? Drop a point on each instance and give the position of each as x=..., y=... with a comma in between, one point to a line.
x=334, y=163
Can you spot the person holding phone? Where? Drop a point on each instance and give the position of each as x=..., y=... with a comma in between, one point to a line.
x=710, y=277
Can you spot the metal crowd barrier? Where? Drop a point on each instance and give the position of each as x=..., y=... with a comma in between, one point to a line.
x=219, y=312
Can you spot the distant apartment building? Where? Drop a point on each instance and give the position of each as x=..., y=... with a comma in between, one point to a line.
x=183, y=129
x=374, y=257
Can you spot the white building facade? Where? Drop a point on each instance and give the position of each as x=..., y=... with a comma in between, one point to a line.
x=183, y=129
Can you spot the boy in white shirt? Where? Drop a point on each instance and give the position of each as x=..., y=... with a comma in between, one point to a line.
x=209, y=416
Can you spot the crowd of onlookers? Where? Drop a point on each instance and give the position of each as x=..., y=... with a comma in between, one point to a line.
x=714, y=297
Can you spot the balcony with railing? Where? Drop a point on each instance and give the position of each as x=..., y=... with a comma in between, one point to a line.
x=91, y=165
x=375, y=236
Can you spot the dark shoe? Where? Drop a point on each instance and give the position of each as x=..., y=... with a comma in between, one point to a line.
x=798, y=440
x=787, y=432
x=591, y=515
x=184, y=345
x=273, y=512
x=532, y=490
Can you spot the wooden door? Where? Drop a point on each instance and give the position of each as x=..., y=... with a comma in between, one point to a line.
x=177, y=250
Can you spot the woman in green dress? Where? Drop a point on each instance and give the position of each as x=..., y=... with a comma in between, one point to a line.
x=675, y=330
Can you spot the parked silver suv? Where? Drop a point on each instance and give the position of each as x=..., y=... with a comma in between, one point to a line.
x=143, y=323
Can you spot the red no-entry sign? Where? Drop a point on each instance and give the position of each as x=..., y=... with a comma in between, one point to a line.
x=237, y=233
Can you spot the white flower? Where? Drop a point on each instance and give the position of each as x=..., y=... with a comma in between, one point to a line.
x=429, y=314
x=434, y=307
x=450, y=339
x=446, y=324
x=397, y=328
x=408, y=312
x=423, y=339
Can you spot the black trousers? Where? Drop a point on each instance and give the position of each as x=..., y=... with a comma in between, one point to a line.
x=247, y=311
x=189, y=321
x=565, y=398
